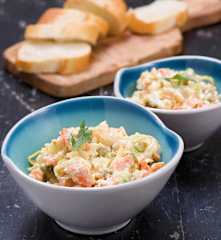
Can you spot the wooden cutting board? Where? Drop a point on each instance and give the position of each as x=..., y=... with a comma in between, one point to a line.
x=106, y=61
x=109, y=57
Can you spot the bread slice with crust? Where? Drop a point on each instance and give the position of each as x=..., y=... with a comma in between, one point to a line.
x=113, y=11
x=67, y=25
x=50, y=57
x=158, y=17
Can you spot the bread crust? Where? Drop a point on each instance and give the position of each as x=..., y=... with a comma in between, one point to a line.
x=139, y=26
x=63, y=66
x=113, y=11
x=67, y=25
x=202, y=13
x=70, y=33
x=49, y=16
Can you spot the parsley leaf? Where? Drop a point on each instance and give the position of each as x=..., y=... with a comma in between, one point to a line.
x=84, y=136
x=179, y=79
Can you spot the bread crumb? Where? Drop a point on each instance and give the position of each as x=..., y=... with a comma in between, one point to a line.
x=204, y=34
x=22, y=24
x=175, y=236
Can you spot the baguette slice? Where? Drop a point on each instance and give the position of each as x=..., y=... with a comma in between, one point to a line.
x=113, y=11
x=158, y=17
x=67, y=25
x=48, y=57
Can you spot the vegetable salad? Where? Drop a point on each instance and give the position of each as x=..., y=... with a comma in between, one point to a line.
x=95, y=157
x=165, y=88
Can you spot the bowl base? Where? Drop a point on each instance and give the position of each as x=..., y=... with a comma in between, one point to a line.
x=94, y=231
x=186, y=150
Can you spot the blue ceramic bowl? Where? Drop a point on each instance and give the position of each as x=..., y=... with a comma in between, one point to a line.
x=196, y=125
x=125, y=81
x=93, y=210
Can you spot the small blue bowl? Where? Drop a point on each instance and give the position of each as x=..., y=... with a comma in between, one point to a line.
x=126, y=78
x=195, y=126
x=89, y=210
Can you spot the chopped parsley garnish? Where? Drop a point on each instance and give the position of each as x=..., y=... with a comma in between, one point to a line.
x=179, y=79
x=84, y=136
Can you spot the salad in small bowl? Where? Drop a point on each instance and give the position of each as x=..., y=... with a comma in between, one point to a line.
x=92, y=163
x=183, y=91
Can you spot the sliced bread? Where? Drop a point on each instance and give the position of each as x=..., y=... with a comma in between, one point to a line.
x=67, y=25
x=113, y=11
x=158, y=17
x=49, y=57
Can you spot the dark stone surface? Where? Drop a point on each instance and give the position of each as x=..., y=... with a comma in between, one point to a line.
x=188, y=207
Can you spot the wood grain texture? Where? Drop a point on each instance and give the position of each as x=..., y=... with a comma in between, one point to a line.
x=107, y=60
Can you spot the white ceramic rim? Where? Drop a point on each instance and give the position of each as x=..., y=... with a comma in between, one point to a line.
x=118, y=94
x=172, y=163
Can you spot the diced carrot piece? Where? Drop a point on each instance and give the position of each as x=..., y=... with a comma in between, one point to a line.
x=125, y=162
x=144, y=165
x=37, y=174
x=157, y=166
